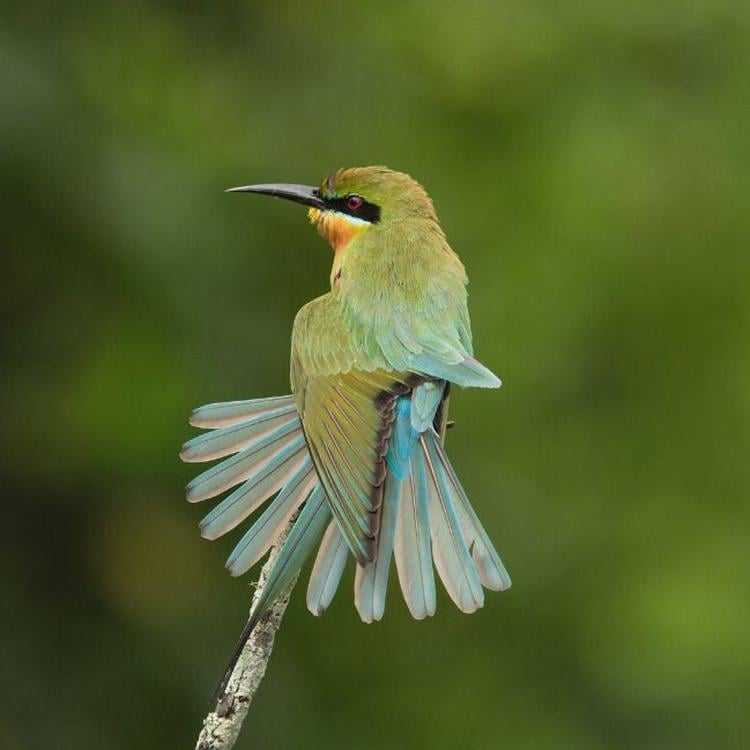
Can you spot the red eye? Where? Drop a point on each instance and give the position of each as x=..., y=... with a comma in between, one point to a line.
x=353, y=202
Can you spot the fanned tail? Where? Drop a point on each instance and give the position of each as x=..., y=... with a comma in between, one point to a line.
x=426, y=518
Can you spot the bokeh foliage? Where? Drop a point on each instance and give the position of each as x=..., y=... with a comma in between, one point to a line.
x=589, y=161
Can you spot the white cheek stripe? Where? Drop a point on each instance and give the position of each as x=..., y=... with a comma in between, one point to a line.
x=351, y=219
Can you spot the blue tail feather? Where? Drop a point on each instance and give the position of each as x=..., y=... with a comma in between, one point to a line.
x=275, y=446
x=272, y=522
x=231, y=412
x=412, y=547
x=327, y=570
x=371, y=582
x=403, y=438
x=239, y=436
x=253, y=493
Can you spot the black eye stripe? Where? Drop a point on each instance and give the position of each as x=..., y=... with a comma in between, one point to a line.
x=367, y=211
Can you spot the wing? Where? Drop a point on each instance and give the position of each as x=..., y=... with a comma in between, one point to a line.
x=346, y=378
x=345, y=395
x=347, y=422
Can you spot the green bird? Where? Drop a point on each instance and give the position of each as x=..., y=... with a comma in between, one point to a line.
x=355, y=454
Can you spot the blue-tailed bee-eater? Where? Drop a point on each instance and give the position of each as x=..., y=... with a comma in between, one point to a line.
x=355, y=455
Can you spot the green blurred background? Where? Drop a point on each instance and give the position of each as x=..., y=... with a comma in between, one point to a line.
x=589, y=162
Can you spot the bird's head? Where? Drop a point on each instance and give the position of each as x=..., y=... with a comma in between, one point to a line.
x=350, y=202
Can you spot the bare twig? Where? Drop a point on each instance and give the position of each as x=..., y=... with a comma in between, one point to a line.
x=222, y=725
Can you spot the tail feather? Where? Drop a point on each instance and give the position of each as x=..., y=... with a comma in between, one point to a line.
x=274, y=519
x=252, y=494
x=305, y=533
x=412, y=548
x=371, y=581
x=492, y=572
x=327, y=570
x=230, y=412
x=237, y=437
x=452, y=559
x=271, y=451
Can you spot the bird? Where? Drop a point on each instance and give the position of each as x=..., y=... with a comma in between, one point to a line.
x=354, y=458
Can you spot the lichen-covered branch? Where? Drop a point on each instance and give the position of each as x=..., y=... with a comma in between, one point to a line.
x=222, y=725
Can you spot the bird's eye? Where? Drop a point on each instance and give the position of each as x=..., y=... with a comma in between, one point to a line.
x=353, y=202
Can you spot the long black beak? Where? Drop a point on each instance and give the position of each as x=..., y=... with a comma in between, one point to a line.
x=308, y=196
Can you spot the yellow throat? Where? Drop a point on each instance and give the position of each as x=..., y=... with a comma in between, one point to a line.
x=338, y=230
